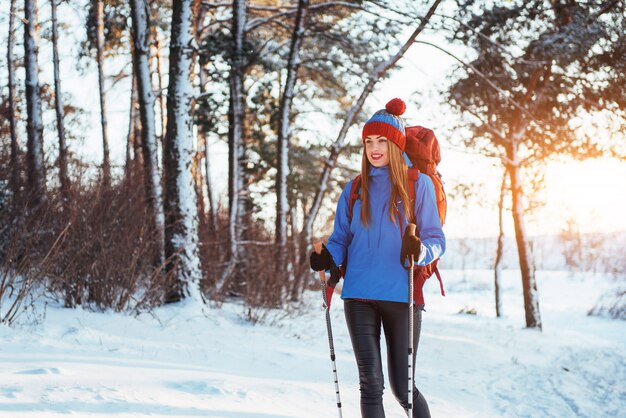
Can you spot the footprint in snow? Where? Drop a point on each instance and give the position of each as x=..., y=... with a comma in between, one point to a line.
x=43, y=370
x=10, y=391
x=211, y=388
x=197, y=388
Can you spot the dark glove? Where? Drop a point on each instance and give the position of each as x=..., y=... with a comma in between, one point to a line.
x=322, y=261
x=335, y=275
x=411, y=246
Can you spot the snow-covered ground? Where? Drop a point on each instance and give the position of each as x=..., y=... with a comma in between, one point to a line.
x=192, y=362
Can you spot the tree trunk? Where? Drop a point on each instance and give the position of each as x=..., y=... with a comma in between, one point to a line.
x=160, y=81
x=181, y=209
x=15, y=165
x=295, y=285
x=35, y=151
x=130, y=142
x=212, y=215
x=236, y=145
x=529, y=283
x=497, y=267
x=137, y=153
x=283, y=142
x=339, y=143
x=199, y=12
x=152, y=179
x=106, y=162
x=203, y=145
x=209, y=189
x=196, y=169
x=63, y=175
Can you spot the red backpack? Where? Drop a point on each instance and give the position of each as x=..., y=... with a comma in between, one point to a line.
x=423, y=150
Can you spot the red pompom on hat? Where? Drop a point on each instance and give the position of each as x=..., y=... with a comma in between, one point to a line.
x=388, y=123
x=396, y=107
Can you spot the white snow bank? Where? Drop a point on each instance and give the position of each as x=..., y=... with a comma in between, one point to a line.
x=183, y=362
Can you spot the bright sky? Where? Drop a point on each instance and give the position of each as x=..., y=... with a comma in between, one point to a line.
x=592, y=192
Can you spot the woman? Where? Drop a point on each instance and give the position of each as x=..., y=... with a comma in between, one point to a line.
x=368, y=244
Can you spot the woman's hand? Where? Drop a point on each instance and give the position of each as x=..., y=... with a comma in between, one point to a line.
x=413, y=247
x=322, y=261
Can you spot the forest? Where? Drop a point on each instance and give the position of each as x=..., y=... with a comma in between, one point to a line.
x=282, y=86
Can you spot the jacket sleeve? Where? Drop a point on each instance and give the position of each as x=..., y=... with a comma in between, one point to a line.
x=340, y=239
x=428, y=222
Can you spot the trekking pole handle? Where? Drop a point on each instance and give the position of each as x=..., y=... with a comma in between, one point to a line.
x=317, y=247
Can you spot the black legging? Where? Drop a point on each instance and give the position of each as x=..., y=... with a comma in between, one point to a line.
x=364, y=319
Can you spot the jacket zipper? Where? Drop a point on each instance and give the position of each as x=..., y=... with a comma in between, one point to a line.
x=380, y=227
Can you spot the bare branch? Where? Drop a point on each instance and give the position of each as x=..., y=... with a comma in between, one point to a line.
x=255, y=23
x=488, y=39
x=486, y=79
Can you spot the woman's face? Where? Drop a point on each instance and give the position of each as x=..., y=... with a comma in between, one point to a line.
x=377, y=150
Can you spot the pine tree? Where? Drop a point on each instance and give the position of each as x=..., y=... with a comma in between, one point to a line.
x=527, y=83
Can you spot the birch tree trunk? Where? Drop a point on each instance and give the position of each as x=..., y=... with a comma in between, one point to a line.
x=152, y=179
x=60, y=114
x=199, y=12
x=160, y=85
x=106, y=162
x=236, y=145
x=295, y=291
x=137, y=153
x=529, y=282
x=340, y=142
x=128, y=169
x=15, y=166
x=212, y=221
x=35, y=151
x=497, y=267
x=181, y=211
x=282, y=206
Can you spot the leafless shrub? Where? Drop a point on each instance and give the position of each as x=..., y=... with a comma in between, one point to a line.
x=265, y=292
x=98, y=251
x=109, y=255
x=25, y=259
x=15, y=287
x=611, y=305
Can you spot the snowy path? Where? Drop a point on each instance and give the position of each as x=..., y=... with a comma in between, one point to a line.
x=184, y=364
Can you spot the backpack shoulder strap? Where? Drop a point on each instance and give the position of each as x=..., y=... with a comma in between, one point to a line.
x=354, y=193
x=412, y=176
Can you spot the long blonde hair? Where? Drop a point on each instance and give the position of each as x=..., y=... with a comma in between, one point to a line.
x=397, y=181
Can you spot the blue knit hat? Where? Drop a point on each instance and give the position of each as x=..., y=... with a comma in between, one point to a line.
x=388, y=123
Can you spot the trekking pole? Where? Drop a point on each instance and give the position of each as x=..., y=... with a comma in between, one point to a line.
x=410, y=231
x=318, y=249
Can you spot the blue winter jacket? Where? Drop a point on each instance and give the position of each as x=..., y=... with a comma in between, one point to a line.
x=373, y=254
